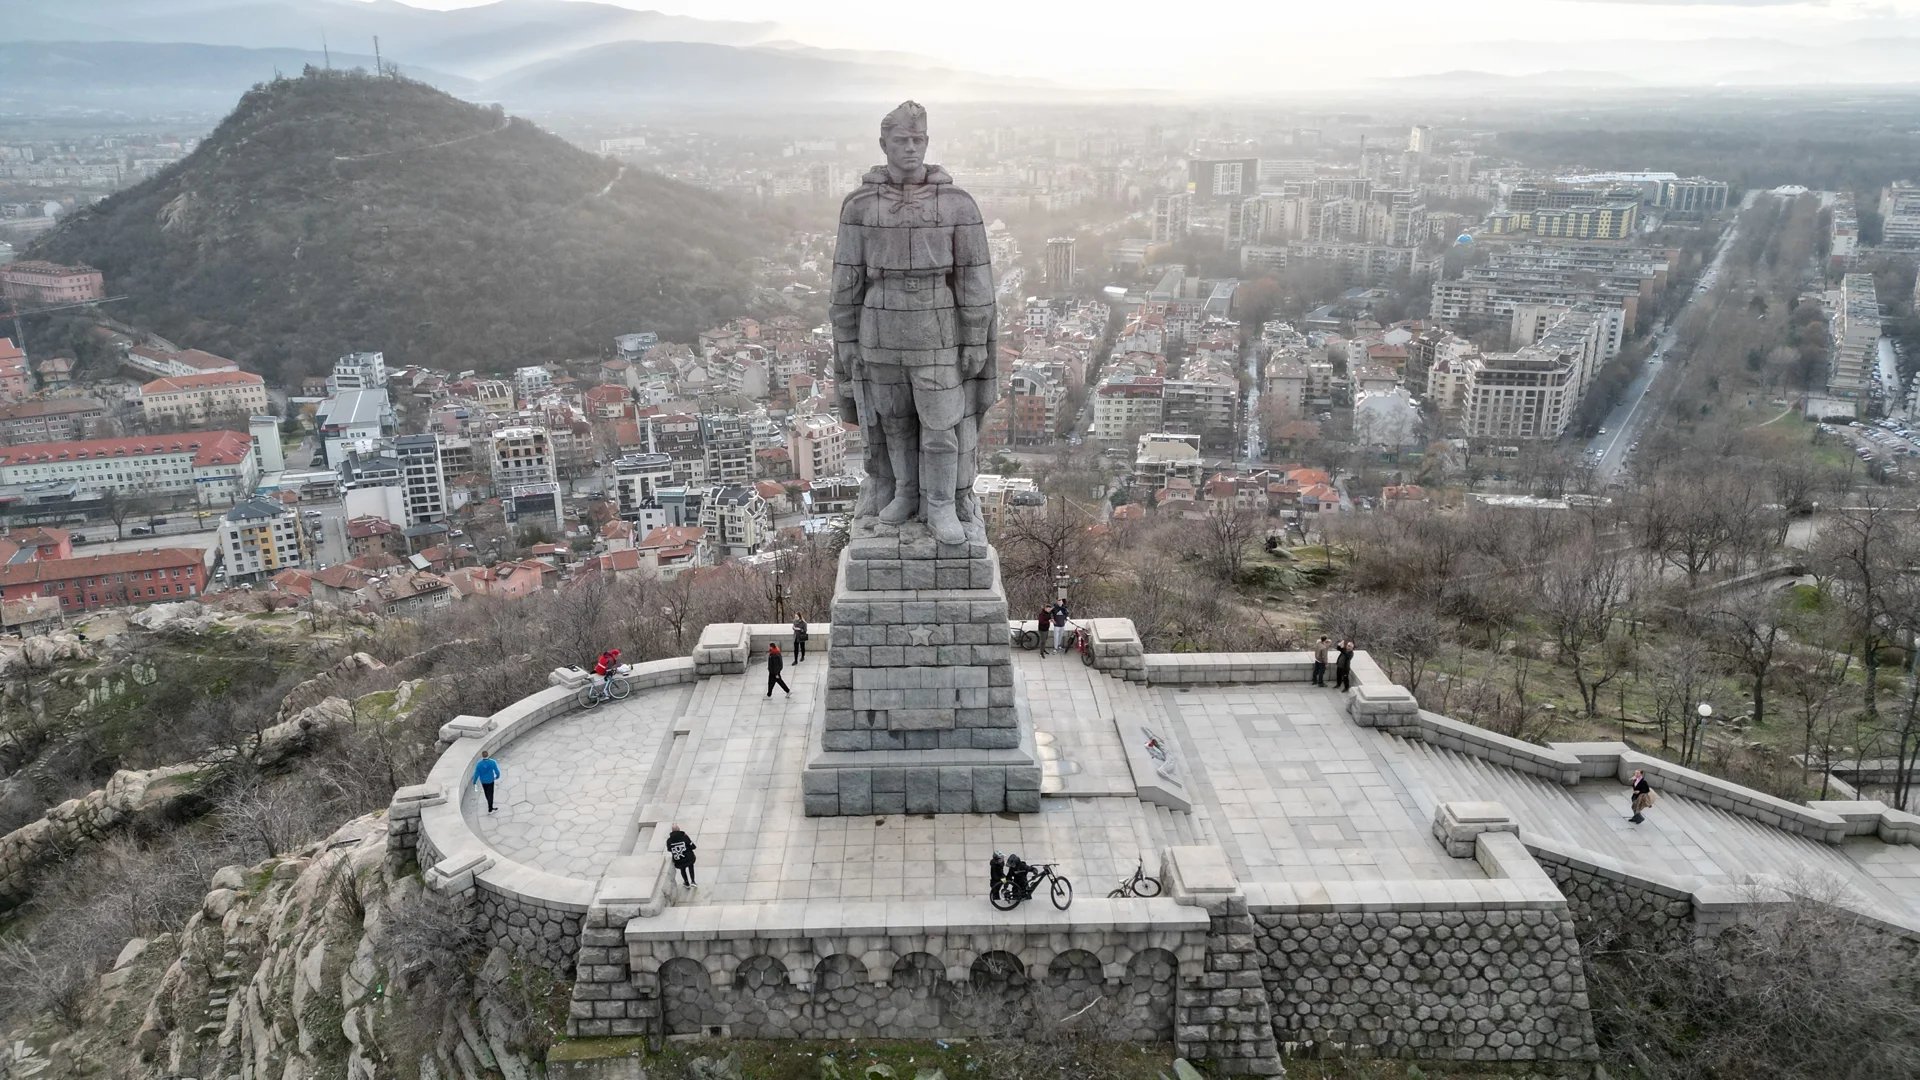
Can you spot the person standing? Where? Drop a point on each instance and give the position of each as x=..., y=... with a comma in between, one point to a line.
x=681, y=847
x=1343, y=666
x=1059, y=623
x=776, y=662
x=799, y=639
x=1046, y=620
x=487, y=774
x=1320, y=650
x=1642, y=796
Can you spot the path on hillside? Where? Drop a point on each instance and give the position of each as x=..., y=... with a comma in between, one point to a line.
x=505, y=122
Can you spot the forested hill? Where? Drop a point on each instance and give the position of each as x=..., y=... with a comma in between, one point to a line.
x=340, y=211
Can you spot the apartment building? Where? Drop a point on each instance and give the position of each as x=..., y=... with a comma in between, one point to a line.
x=521, y=456
x=92, y=582
x=1899, y=215
x=51, y=420
x=1856, y=337
x=214, y=468
x=170, y=363
x=193, y=399
x=259, y=538
x=737, y=520
x=727, y=445
x=531, y=382
x=637, y=480
x=1172, y=217
x=358, y=371
x=1534, y=392
x=30, y=281
x=16, y=381
x=1692, y=198
x=1128, y=403
x=817, y=445
x=423, y=484
x=1609, y=221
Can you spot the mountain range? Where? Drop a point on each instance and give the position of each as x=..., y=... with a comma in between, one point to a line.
x=339, y=211
x=522, y=53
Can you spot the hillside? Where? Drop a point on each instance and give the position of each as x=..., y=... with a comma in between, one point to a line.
x=338, y=211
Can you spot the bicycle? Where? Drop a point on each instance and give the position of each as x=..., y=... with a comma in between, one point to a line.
x=1081, y=641
x=1137, y=885
x=612, y=688
x=1008, y=896
x=1027, y=639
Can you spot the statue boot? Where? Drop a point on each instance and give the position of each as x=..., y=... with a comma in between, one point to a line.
x=939, y=471
x=905, y=459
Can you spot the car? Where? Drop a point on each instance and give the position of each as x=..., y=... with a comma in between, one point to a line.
x=78, y=538
x=141, y=530
x=596, y=497
x=1603, y=431
x=156, y=521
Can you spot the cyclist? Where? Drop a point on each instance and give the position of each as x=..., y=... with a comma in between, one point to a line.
x=1017, y=874
x=603, y=668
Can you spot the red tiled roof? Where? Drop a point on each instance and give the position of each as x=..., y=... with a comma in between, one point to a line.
x=673, y=536
x=208, y=447
x=95, y=565
x=175, y=383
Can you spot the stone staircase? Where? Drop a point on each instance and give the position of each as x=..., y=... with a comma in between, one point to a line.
x=1682, y=837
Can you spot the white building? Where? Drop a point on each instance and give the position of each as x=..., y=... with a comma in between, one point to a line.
x=817, y=446
x=212, y=468
x=265, y=432
x=1533, y=393
x=738, y=521
x=531, y=382
x=260, y=537
x=422, y=481
x=1900, y=215
x=1856, y=336
x=358, y=371
x=637, y=480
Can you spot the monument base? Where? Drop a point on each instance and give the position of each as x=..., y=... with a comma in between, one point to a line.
x=922, y=713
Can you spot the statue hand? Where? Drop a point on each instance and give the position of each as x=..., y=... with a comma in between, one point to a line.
x=973, y=360
x=849, y=405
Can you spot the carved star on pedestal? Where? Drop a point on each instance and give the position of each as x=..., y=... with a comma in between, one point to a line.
x=921, y=635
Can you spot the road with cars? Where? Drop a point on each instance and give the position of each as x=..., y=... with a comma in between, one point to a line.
x=1621, y=432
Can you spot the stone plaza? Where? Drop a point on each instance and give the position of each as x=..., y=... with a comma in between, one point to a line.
x=1341, y=870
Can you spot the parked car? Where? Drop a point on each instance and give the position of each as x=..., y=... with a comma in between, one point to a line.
x=78, y=538
x=141, y=530
x=156, y=521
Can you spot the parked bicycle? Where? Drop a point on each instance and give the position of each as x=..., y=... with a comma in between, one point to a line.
x=1137, y=885
x=614, y=687
x=1027, y=639
x=1080, y=640
x=1009, y=895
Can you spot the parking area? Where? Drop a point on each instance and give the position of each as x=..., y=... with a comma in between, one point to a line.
x=1885, y=442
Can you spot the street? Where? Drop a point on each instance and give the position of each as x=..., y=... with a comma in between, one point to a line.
x=1624, y=423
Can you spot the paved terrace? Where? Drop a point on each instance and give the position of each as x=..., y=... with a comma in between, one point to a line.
x=1292, y=789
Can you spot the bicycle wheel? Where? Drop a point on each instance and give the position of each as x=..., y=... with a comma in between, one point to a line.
x=586, y=697
x=1119, y=893
x=619, y=688
x=1005, y=899
x=1029, y=639
x=1086, y=653
x=1062, y=893
x=1146, y=886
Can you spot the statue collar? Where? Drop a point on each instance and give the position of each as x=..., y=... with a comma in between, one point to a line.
x=879, y=175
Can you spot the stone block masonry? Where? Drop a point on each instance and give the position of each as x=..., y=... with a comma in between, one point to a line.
x=922, y=714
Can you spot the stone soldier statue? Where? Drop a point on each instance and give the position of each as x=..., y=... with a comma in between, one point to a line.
x=914, y=334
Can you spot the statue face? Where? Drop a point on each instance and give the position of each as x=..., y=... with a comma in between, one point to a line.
x=906, y=148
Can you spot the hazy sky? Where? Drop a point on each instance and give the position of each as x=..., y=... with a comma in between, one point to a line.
x=1247, y=43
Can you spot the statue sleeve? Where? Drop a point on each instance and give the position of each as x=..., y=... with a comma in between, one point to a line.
x=849, y=274
x=973, y=280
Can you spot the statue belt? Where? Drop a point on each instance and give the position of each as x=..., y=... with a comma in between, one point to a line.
x=910, y=280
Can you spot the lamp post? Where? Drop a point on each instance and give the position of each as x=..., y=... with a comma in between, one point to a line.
x=1700, y=738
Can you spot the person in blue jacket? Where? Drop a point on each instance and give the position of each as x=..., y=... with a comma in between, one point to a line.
x=486, y=774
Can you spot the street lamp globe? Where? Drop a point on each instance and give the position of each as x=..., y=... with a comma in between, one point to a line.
x=1705, y=710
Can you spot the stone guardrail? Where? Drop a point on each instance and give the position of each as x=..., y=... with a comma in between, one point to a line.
x=536, y=912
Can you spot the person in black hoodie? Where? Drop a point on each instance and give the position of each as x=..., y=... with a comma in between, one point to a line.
x=681, y=847
x=1343, y=665
x=799, y=639
x=775, y=662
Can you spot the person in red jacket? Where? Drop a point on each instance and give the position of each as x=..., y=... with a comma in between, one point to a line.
x=608, y=661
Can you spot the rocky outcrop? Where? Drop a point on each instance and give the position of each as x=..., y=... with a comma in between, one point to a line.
x=41, y=652
x=297, y=967
x=150, y=795
x=186, y=616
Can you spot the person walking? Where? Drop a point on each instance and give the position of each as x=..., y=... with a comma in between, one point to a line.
x=1046, y=619
x=1642, y=796
x=775, y=662
x=799, y=639
x=487, y=774
x=681, y=847
x=1059, y=623
x=1343, y=666
x=1320, y=650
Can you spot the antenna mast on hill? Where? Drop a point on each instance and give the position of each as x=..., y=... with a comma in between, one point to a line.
x=378, y=67
x=326, y=52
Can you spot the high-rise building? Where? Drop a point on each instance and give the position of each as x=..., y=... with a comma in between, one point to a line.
x=818, y=447
x=260, y=537
x=637, y=480
x=521, y=455
x=424, y=483
x=1900, y=215
x=1172, y=215
x=1060, y=264
x=1223, y=180
x=265, y=431
x=1420, y=139
x=1856, y=337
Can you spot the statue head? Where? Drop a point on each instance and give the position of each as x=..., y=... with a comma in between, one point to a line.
x=903, y=136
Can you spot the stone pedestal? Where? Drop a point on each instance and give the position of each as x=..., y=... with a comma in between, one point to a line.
x=922, y=714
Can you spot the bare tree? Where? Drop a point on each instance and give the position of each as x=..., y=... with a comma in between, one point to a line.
x=1583, y=591
x=1228, y=533
x=1862, y=551
x=1748, y=635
